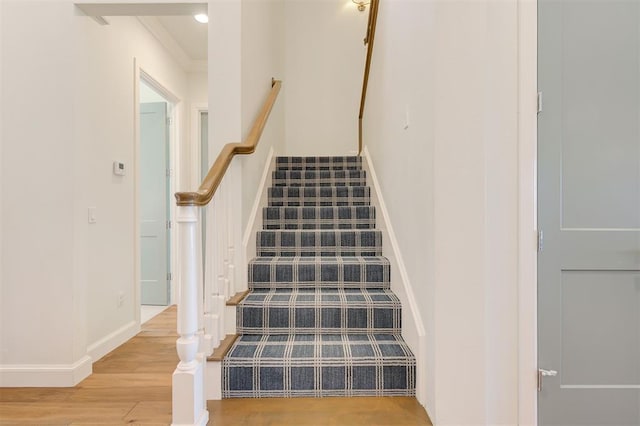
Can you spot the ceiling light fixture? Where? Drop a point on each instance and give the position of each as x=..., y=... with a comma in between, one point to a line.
x=361, y=4
x=201, y=17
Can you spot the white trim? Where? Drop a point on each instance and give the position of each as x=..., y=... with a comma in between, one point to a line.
x=527, y=213
x=141, y=7
x=137, y=291
x=254, y=224
x=108, y=343
x=213, y=381
x=196, y=129
x=45, y=375
x=413, y=330
x=599, y=386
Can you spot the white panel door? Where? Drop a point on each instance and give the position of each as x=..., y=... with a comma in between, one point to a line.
x=154, y=207
x=589, y=212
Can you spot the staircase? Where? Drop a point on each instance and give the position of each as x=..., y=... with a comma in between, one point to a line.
x=320, y=318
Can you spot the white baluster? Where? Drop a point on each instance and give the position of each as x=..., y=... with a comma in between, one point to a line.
x=222, y=304
x=199, y=283
x=226, y=217
x=209, y=340
x=189, y=406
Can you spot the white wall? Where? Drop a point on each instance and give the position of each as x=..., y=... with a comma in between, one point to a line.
x=42, y=321
x=68, y=112
x=1, y=174
x=245, y=44
x=401, y=84
x=324, y=62
x=106, y=70
x=262, y=59
x=198, y=93
x=452, y=68
x=198, y=100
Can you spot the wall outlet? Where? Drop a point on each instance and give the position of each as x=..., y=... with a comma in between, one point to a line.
x=120, y=299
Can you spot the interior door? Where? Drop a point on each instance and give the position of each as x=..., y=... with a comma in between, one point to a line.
x=154, y=207
x=589, y=211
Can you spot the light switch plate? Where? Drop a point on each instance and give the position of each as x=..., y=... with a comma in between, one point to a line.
x=92, y=215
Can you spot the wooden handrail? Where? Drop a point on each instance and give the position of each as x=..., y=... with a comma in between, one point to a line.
x=369, y=41
x=207, y=189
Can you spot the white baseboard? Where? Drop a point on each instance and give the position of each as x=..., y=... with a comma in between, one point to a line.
x=108, y=343
x=255, y=219
x=413, y=330
x=45, y=375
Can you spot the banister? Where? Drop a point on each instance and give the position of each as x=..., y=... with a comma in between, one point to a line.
x=369, y=40
x=207, y=189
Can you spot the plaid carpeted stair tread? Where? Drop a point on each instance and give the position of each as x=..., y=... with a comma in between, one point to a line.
x=320, y=319
x=319, y=178
x=318, y=163
x=315, y=365
x=321, y=271
x=343, y=217
x=319, y=311
x=319, y=243
x=300, y=196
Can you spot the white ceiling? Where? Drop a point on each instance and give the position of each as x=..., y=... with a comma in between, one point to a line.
x=188, y=33
x=183, y=37
x=171, y=23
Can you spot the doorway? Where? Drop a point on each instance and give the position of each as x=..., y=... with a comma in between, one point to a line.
x=155, y=121
x=589, y=212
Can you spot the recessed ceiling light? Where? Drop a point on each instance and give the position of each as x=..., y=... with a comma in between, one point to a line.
x=202, y=18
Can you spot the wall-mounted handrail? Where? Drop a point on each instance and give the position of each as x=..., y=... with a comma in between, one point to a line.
x=369, y=40
x=207, y=189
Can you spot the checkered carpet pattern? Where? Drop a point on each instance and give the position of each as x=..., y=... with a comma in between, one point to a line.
x=320, y=318
x=310, y=243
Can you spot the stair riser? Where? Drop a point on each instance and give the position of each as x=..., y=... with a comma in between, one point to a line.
x=310, y=168
x=319, y=174
x=345, y=381
x=318, y=163
x=340, y=365
x=309, y=274
x=319, y=243
x=319, y=196
x=330, y=319
x=318, y=218
x=322, y=252
x=323, y=183
x=355, y=178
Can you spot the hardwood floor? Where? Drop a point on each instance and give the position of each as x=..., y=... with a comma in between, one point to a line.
x=132, y=385
x=389, y=411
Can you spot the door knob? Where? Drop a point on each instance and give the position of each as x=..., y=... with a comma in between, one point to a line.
x=545, y=373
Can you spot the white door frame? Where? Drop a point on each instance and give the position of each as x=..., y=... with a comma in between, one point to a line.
x=196, y=109
x=527, y=215
x=174, y=165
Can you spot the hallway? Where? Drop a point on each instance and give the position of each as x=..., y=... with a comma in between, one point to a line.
x=132, y=385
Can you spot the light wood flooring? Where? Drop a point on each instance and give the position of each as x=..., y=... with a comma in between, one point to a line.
x=132, y=385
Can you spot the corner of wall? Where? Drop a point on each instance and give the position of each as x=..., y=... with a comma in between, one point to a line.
x=113, y=340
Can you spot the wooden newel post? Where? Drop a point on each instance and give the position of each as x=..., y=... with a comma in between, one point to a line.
x=189, y=406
